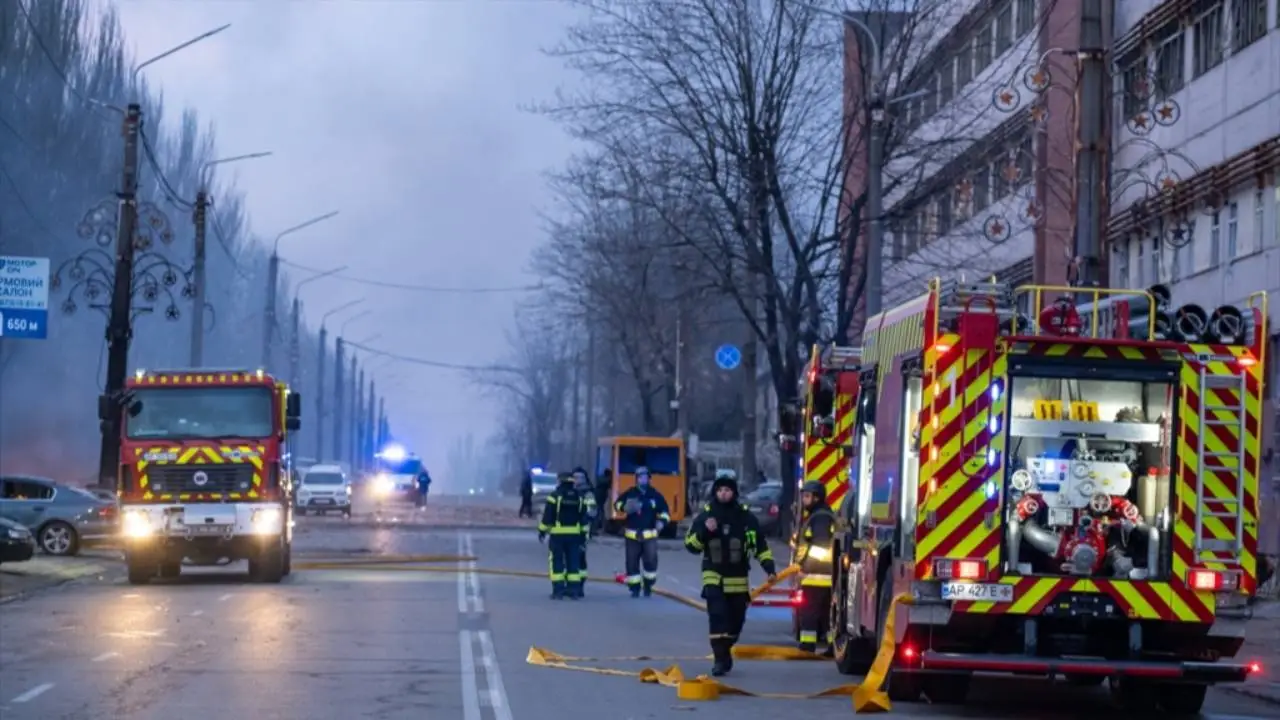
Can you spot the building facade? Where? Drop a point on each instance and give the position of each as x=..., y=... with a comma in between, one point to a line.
x=1196, y=166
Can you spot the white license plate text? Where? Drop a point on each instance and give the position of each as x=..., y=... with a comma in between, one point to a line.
x=979, y=592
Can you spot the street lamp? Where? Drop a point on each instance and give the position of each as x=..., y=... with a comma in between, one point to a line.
x=320, y=373
x=198, y=275
x=273, y=279
x=295, y=323
x=343, y=327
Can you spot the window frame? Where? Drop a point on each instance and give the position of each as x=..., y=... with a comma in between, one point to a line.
x=1248, y=23
x=1233, y=230
x=1206, y=55
x=1004, y=37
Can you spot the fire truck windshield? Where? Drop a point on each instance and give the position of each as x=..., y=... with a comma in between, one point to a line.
x=201, y=412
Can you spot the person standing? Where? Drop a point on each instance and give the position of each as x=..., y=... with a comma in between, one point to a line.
x=563, y=518
x=815, y=536
x=647, y=513
x=526, y=495
x=604, y=486
x=424, y=487
x=587, y=492
x=727, y=536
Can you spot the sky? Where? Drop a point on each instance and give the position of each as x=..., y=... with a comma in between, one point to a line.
x=408, y=117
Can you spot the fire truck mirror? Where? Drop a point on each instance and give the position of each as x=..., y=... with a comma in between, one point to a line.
x=134, y=407
x=293, y=406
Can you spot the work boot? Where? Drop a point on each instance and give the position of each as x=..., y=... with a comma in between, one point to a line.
x=828, y=652
x=723, y=657
x=648, y=589
x=808, y=647
x=635, y=591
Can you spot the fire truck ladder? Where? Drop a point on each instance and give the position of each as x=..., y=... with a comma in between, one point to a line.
x=955, y=297
x=836, y=357
x=1233, y=509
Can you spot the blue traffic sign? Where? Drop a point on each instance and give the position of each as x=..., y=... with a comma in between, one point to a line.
x=728, y=357
x=24, y=298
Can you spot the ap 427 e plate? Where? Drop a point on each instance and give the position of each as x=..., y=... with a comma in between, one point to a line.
x=977, y=592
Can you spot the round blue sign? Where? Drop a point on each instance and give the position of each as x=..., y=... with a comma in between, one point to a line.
x=728, y=357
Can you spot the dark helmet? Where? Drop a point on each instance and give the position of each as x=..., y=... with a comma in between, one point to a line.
x=818, y=490
x=565, y=478
x=725, y=481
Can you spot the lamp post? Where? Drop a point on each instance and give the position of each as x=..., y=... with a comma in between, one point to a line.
x=295, y=322
x=273, y=280
x=320, y=375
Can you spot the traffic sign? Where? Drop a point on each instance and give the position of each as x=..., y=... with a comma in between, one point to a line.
x=24, y=297
x=728, y=357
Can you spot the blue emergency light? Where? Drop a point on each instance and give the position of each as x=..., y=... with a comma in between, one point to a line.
x=394, y=453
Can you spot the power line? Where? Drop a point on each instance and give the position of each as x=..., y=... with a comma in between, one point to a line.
x=427, y=363
x=418, y=288
x=172, y=194
x=48, y=54
x=226, y=246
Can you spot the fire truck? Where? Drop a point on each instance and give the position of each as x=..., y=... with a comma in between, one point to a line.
x=205, y=473
x=1065, y=483
x=823, y=425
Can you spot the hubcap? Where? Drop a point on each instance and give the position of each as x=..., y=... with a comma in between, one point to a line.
x=56, y=540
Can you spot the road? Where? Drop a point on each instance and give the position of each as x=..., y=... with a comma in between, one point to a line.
x=360, y=643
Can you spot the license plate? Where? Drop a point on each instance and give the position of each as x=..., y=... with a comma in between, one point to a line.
x=323, y=501
x=1062, y=517
x=208, y=529
x=979, y=592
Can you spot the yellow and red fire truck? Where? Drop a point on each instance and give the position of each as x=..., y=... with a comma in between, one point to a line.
x=205, y=471
x=1065, y=482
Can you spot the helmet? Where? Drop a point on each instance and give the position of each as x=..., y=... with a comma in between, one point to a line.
x=565, y=478
x=642, y=470
x=816, y=488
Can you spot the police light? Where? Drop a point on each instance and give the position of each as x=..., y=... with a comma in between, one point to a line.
x=394, y=453
x=536, y=470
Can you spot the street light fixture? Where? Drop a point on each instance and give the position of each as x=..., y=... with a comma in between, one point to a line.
x=273, y=280
x=295, y=323
x=343, y=327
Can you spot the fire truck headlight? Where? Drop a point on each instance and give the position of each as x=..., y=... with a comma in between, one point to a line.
x=136, y=524
x=267, y=521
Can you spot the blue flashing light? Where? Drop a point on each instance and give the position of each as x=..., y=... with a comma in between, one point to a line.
x=994, y=424
x=990, y=489
x=536, y=470
x=992, y=457
x=995, y=391
x=394, y=453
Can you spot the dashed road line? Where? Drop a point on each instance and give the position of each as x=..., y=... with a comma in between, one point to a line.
x=225, y=598
x=106, y=656
x=33, y=693
x=497, y=691
x=197, y=613
x=470, y=691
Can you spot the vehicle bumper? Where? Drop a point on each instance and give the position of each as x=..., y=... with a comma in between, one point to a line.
x=333, y=503
x=152, y=522
x=17, y=551
x=1198, y=672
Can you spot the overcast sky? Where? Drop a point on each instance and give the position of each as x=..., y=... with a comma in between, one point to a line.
x=406, y=116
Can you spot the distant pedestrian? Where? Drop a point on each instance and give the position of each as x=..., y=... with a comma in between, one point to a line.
x=526, y=495
x=424, y=486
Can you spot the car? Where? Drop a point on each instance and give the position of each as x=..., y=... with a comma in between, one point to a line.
x=765, y=503
x=324, y=489
x=62, y=517
x=17, y=544
x=544, y=483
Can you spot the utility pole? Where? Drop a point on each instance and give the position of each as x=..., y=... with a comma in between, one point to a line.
x=1091, y=153
x=575, y=422
x=338, y=392
x=200, y=217
x=384, y=428
x=371, y=424
x=120, y=322
x=682, y=413
x=324, y=335
x=750, y=345
x=357, y=422
x=350, y=390
x=590, y=409
x=295, y=341
x=269, y=319
x=875, y=199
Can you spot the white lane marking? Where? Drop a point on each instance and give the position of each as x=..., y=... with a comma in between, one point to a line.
x=225, y=598
x=462, y=576
x=469, y=598
x=197, y=613
x=33, y=693
x=470, y=693
x=106, y=656
x=497, y=691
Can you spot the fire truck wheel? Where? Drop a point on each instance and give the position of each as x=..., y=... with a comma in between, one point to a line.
x=141, y=570
x=1134, y=695
x=852, y=654
x=170, y=569
x=268, y=565
x=288, y=558
x=1182, y=699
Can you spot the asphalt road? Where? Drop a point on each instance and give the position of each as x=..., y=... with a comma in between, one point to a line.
x=359, y=643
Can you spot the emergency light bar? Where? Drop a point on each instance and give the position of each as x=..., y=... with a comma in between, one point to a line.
x=394, y=453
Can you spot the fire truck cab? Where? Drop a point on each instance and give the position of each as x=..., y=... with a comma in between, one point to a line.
x=1064, y=483
x=205, y=471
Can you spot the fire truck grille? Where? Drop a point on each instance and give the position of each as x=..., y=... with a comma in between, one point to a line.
x=200, y=478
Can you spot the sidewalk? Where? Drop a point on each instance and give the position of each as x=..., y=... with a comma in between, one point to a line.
x=43, y=571
x=1262, y=644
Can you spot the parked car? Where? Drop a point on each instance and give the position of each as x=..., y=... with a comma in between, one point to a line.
x=544, y=483
x=764, y=504
x=63, y=518
x=17, y=544
x=324, y=489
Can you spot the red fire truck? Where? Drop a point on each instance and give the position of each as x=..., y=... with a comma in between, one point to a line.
x=1065, y=482
x=205, y=472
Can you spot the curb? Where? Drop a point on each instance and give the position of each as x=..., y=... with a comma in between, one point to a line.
x=1261, y=695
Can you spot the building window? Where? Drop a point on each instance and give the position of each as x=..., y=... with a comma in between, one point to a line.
x=1248, y=23
x=1208, y=38
x=1122, y=267
x=946, y=84
x=946, y=205
x=929, y=107
x=1175, y=270
x=982, y=189
x=981, y=48
x=1171, y=56
x=1233, y=226
x=964, y=66
x=1156, y=269
x=1259, y=227
x=1215, y=240
x=1004, y=28
x=1137, y=84
x=1139, y=268
x=1026, y=160
x=1026, y=16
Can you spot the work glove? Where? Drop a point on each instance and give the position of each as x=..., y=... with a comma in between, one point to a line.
x=770, y=569
x=542, y=536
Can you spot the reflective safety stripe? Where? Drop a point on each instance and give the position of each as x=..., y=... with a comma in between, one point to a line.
x=808, y=636
x=650, y=576
x=566, y=530
x=816, y=581
x=664, y=517
x=633, y=579
x=692, y=542
x=640, y=534
x=574, y=577
x=766, y=555
x=710, y=577
x=735, y=586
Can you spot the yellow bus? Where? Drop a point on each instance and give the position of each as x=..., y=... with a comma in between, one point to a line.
x=665, y=459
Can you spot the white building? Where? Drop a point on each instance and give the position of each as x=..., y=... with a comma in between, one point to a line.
x=1205, y=153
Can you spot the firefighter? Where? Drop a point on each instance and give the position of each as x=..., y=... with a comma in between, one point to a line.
x=727, y=535
x=564, y=518
x=815, y=536
x=582, y=482
x=647, y=513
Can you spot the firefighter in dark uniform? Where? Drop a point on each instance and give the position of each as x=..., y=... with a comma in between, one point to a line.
x=647, y=513
x=587, y=492
x=564, y=518
x=814, y=539
x=727, y=535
